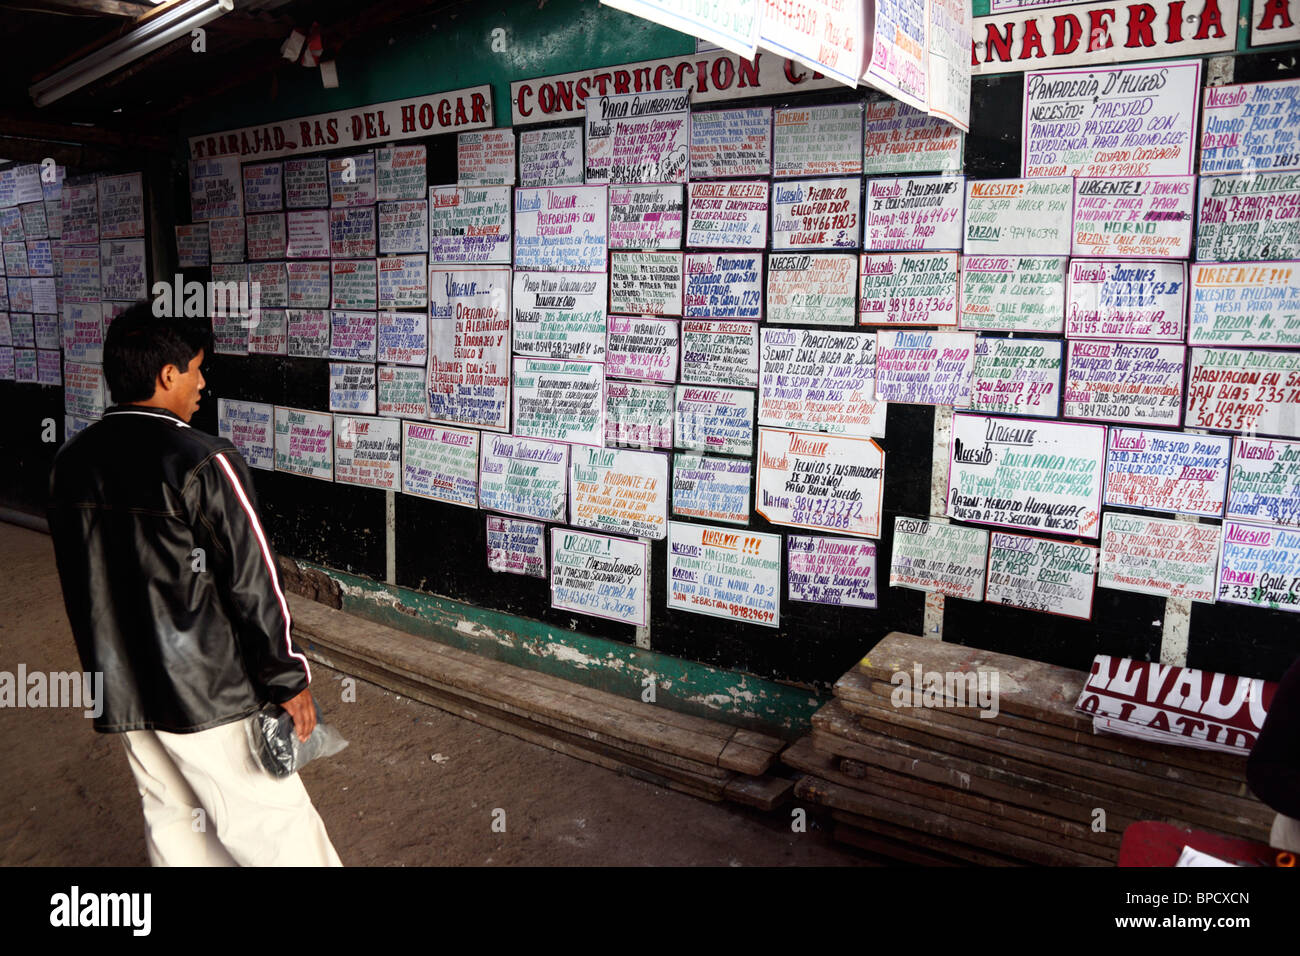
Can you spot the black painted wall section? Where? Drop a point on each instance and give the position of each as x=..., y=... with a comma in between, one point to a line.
x=442, y=548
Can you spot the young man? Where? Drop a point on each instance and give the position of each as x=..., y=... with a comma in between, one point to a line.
x=172, y=592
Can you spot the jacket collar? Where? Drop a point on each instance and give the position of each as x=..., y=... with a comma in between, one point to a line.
x=153, y=411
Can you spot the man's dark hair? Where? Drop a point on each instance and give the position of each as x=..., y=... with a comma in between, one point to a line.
x=139, y=344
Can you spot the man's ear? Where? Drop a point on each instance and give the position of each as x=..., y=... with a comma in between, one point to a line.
x=167, y=377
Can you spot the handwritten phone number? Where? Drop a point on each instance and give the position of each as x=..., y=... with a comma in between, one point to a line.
x=730, y=608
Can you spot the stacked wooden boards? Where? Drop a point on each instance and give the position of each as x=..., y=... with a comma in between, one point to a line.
x=701, y=757
x=943, y=785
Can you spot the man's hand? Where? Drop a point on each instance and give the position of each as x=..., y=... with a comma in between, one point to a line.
x=303, y=712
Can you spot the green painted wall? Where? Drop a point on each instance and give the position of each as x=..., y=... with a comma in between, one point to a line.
x=441, y=53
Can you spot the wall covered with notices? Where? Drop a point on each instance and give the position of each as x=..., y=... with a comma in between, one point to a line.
x=754, y=368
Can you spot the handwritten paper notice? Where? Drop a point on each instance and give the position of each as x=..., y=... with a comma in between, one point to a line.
x=516, y=547
x=716, y=352
x=1013, y=293
x=368, y=452
x=250, y=426
x=714, y=419
x=724, y=573
x=309, y=333
x=622, y=492
x=1041, y=575
x=1019, y=216
x=518, y=476
x=353, y=336
x=48, y=367
x=1139, y=218
x=352, y=180
x=900, y=139
x=216, y=192
x=306, y=184
x=486, y=158
x=308, y=284
x=402, y=392
x=897, y=51
x=1248, y=217
x=269, y=333
x=551, y=157
x=645, y=217
x=820, y=481
x=645, y=283
x=192, y=246
x=46, y=329
x=400, y=173
x=914, y=213
x=813, y=289
x=469, y=347
x=352, y=232
x=308, y=234
x=561, y=229
x=824, y=381
x=1251, y=128
x=262, y=187
x=638, y=137
x=32, y=220
x=559, y=315
x=1016, y=377
x=23, y=331
x=11, y=225
x=601, y=576
x=1237, y=390
x=403, y=282
x=818, y=214
x=637, y=415
x=926, y=368
x=899, y=288
x=84, y=391
x=354, y=284
x=15, y=260
x=440, y=463
x=939, y=558
x=1125, y=382
x=716, y=489
x=1114, y=299
x=1125, y=121
x=404, y=226
x=122, y=269
x=1259, y=566
x=470, y=225
x=724, y=286
x=226, y=238
x=1264, y=484
x=81, y=279
x=352, y=388
x=1164, y=471
x=731, y=143
x=1245, y=303
x=403, y=338
x=82, y=331
x=1145, y=555
x=266, y=235
x=121, y=206
x=835, y=571
x=304, y=443
x=562, y=401
x=817, y=141
x=1026, y=473
x=40, y=257
x=642, y=348
x=730, y=215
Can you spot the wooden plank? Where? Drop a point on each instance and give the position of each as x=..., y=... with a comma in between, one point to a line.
x=885, y=848
x=765, y=793
x=1025, y=731
x=696, y=738
x=959, y=739
x=1023, y=790
x=880, y=803
x=1042, y=692
x=588, y=750
x=1170, y=798
x=746, y=760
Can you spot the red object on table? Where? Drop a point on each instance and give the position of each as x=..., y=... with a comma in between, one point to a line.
x=1160, y=844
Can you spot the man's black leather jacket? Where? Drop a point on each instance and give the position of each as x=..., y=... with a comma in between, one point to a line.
x=168, y=577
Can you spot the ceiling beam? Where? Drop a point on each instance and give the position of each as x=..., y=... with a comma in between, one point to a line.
x=19, y=127
x=84, y=8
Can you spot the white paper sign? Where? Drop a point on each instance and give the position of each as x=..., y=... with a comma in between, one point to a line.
x=819, y=481
x=601, y=576
x=731, y=573
x=938, y=558
x=559, y=400
x=1019, y=216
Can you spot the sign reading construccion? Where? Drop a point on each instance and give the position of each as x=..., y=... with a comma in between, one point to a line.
x=418, y=116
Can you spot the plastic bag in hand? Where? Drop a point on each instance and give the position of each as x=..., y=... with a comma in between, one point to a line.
x=275, y=744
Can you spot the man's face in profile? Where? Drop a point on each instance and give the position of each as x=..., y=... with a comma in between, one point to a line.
x=189, y=385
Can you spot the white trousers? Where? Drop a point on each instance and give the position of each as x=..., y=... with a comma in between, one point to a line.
x=248, y=818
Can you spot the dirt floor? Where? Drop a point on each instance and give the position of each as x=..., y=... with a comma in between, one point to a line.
x=417, y=786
